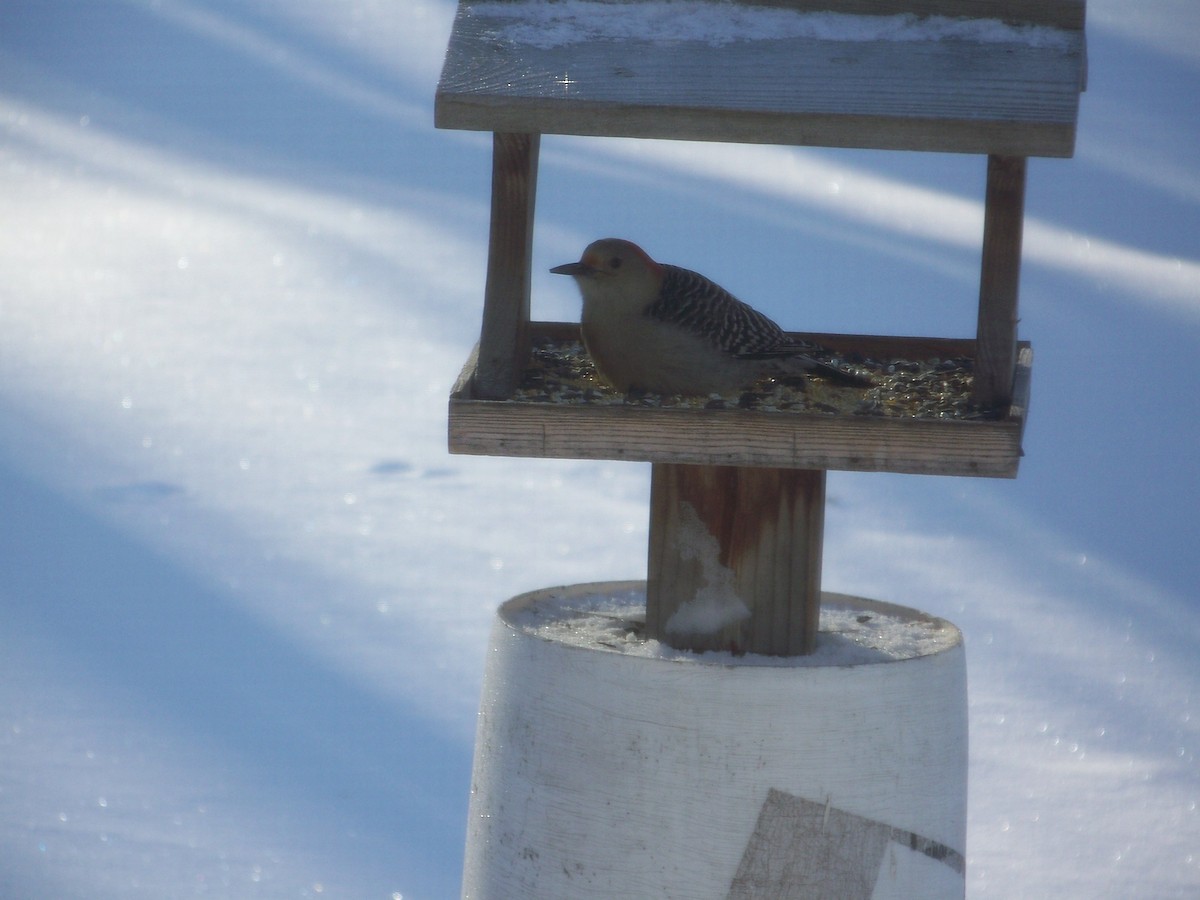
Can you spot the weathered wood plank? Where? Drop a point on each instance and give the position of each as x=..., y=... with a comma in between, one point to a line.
x=1068, y=14
x=1022, y=379
x=1003, y=223
x=1010, y=99
x=733, y=437
x=735, y=558
x=503, y=339
x=736, y=437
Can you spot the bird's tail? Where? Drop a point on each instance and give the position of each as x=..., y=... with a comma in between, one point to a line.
x=841, y=373
x=797, y=362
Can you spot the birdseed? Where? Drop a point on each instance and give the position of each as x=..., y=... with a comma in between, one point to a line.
x=560, y=371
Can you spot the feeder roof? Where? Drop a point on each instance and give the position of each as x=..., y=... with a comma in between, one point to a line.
x=972, y=76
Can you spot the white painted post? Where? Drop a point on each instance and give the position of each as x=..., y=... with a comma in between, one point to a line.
x=607, y=765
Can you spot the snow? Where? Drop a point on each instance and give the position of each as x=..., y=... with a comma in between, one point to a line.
x=716, y=603
x=560, y=23
x=247, y=592
x=853, y=631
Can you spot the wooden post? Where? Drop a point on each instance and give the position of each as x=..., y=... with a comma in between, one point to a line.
x=504, y=339
x=996, y=338
x=735, y=558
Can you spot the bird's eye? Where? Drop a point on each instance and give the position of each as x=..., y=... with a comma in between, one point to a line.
x=615, y=262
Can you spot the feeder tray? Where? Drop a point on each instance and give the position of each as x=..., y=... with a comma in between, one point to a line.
x=595, y=423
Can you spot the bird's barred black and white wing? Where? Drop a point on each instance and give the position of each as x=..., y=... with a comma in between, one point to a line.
x=691, y=301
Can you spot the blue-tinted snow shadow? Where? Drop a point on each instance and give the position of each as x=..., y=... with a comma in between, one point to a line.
x=266, y=101
x=320, y=751
x=1112, y=431
x=1032, y=661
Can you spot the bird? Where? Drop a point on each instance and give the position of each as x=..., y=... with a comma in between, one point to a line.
x=650, y=327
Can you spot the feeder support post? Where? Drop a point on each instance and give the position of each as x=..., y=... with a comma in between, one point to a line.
x=735, y=558
x=996, y=338
x=504, y=337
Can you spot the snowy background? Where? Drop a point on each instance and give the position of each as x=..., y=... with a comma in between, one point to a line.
x=246, y=592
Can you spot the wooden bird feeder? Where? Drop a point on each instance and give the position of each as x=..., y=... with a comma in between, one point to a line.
x=744, y=490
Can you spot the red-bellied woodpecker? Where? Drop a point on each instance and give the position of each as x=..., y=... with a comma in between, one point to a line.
x=666, y=330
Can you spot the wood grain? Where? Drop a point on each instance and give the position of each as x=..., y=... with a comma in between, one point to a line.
x=504, y=338
x=1010, y=99
x=1067, y=14
x=737, y=437
x=766, y=526
x=999, y=284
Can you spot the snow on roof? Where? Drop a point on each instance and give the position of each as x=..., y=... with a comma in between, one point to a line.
x=556, y=23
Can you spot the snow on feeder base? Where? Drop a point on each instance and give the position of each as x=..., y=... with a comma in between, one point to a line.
x=609, y=765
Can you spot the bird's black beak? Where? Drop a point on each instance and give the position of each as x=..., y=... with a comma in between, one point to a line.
x=575, y=268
